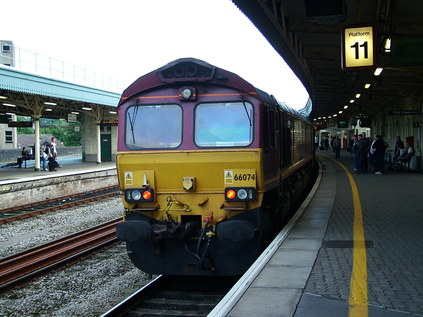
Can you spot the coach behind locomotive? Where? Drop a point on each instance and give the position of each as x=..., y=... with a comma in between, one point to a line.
x=209, y=169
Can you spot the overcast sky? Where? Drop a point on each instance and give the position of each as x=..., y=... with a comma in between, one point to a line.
x=128, y=38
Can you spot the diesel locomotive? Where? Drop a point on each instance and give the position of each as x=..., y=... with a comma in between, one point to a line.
x=209, y=169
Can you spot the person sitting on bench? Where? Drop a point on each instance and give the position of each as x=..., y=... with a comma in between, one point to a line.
x=407, y=153
x=404, y=157
x=24, y=156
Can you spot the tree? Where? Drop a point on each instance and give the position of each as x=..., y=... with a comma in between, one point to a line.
x=68, y=133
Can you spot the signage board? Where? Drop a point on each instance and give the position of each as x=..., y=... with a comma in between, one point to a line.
x=357, y=47
x=342, y=124
x=405, y=113
x=4, y=118
x=109, y=122
x=19, y=124
x=72, y=118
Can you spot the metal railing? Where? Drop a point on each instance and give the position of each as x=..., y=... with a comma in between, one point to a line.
x=34, y=63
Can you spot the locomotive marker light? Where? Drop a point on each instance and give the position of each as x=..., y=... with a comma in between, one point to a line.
x=231, y=194
x=357, y=47
x=146, y=195
x=240, y=194
x=139, y=195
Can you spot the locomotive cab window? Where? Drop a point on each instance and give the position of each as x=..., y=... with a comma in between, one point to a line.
x=153, y=126
x=224, y=124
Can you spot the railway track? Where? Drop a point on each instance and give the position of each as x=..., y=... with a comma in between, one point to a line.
x=175, y=296
x=54, y=204
x=20, y=267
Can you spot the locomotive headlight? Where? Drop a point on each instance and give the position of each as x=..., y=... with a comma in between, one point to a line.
x=186, y=93
x=136, y=194
x=242, y=194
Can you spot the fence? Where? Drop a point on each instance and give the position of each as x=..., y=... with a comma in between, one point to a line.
x=32, y=62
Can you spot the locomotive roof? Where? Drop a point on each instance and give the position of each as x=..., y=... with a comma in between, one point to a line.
x=187, y=70
x=195, y=71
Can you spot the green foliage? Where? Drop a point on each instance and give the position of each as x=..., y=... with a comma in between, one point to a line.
x=68, y=133
x=25, y=131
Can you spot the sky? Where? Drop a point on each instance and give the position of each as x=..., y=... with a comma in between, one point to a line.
x=128, y=38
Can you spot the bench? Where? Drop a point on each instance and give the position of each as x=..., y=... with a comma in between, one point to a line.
x=403, y=163
x=24, y=159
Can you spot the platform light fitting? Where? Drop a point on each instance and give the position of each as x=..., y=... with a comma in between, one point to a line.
x=50, y=103
x=340, y=111
x=335, y=115
x=112, y=112
x=367, y=86
x=314, y=119
x=378, y=71
x=324, y=118
x=357, y=96
x=387, y=45
x=352, y=101
x=74, y=112
x=330, y=117
x=346, y=107
x=48, y=109
x=320, y=118
x=3, y=97
x=86, y=108
x=9, y=105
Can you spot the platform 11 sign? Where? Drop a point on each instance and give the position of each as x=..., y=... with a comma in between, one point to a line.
x=357, y=47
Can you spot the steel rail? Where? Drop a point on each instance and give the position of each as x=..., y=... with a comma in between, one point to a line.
x=55, y=207
x=16, y=268
x=174, y=296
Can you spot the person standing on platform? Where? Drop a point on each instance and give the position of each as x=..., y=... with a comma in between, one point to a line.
x=378, y=148
x=351, y=145
x=354, y=148
x=337, y=147
x=372, y=162
x=362, y=154
x=52, y=163
x=367, y=143
x=43, y=157
x=327, y=143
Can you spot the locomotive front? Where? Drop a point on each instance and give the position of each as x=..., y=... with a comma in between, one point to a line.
x=190, y=171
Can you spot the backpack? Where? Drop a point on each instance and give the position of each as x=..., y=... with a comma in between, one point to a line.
x=47, y=149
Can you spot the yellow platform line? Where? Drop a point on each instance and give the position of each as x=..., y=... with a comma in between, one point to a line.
x=358, y=299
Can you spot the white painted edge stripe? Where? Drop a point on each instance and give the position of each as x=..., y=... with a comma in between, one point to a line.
x=55, y=175
x=237, y=291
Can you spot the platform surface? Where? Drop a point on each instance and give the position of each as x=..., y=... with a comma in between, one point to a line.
x=70, y=164
x=311, y=273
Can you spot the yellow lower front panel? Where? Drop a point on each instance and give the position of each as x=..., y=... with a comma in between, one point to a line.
x=190, y=183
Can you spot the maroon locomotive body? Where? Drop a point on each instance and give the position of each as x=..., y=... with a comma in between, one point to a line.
x=209, y=168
